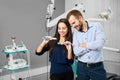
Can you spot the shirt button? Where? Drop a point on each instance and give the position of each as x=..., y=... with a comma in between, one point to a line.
x=88, y=57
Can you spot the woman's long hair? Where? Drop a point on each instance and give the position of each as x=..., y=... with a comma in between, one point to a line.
x=68, y=36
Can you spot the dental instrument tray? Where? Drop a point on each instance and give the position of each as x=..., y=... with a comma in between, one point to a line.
x=10, y=49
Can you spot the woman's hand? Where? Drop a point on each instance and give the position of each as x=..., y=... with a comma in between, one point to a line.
x=46, y=39
x=68, y=45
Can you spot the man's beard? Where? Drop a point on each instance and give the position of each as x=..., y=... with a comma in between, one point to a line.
x=81, y=26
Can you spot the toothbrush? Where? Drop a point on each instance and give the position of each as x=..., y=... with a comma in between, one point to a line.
x=49, y=38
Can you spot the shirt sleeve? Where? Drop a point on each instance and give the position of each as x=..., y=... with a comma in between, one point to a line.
x=70, y=61
x=99, y=41
x=76, y=46
x=45, y=48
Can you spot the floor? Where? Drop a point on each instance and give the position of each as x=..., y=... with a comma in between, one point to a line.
x=40, y=77
x=44, y=76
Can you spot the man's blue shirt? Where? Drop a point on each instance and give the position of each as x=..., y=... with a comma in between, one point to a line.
x=94, y=37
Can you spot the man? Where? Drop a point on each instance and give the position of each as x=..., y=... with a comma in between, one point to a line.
x=88, y=41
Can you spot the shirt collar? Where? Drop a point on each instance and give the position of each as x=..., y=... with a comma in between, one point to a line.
x=86, y=28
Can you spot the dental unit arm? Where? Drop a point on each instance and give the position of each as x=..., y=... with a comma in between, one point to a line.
x=52, y=23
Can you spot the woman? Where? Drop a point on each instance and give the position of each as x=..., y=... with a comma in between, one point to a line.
x=60, y=51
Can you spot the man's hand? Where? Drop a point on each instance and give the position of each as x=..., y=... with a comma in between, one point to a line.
x=83, y=45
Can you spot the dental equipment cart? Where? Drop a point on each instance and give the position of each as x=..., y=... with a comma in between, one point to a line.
x=16, y=64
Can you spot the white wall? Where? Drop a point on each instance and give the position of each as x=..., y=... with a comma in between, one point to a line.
x=92, y=10
x=26, y=19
